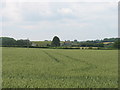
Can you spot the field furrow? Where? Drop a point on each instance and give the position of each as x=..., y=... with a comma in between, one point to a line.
x=52, y=57
x=55, y=68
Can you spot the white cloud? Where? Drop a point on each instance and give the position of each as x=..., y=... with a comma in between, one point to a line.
x=92, y=11
x=15, y=11
x=12, y=12
x=48, y=25
x=42, y=8
x=30, y=27
x=61, y=0
x=86, y=16
x=65, y=11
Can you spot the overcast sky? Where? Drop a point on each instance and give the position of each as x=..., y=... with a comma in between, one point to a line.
x=83, y=20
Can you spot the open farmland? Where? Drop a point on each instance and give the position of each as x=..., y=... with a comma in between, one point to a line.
x=59, y=68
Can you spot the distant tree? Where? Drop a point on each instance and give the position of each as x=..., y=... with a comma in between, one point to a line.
x=23, y=42
x=55, y=42
x=0, y=41
x=6, y=41
x=117, y=44
x=48, y=45
x=110, y=39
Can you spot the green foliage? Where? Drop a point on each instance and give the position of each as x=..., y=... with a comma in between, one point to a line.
x=90, y=48
x=58, y=68
x=23, y=42
x=117, y=44
x=110, y=39
x=42, y=43
x=6, y=41
x=91, y=44
x=55, y=42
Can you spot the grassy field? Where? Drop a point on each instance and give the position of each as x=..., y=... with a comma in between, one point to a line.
x=59, y=68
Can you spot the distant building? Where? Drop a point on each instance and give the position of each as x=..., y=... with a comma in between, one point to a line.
x=67, y=43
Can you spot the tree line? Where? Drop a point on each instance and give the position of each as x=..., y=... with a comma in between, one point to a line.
x=7, y=41
x=112, y=43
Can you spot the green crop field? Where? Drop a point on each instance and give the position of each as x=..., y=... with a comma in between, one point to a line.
x=59, y=68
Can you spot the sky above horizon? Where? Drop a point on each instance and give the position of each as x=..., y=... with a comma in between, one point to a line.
x=40, y=21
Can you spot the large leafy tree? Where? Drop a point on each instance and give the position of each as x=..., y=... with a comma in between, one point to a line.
x=6, y=41
x=117, y=44
x=55, y=42
x=23, y=42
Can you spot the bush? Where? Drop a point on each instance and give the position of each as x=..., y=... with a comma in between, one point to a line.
x=90, y=48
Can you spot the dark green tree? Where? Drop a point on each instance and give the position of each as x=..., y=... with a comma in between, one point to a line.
x=55, y=42
x=6, y=41
x=117, y=44
x=23, y=42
